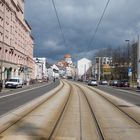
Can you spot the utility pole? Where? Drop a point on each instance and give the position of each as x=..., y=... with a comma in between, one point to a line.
x=99, y=73
x=85, y=72
x=129, y=63
x=138, y=64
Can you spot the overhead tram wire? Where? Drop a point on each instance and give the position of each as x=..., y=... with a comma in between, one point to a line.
x=96, y=30
x=60, y=26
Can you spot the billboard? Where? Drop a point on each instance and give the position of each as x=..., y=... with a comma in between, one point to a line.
x=106, y=69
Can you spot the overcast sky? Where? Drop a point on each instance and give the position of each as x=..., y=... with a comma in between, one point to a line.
x=78, y=19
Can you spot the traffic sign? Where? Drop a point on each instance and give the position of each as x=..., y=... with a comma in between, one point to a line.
x=129, y=71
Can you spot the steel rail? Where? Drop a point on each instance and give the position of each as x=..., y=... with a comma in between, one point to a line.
x=93, y=114
x=61, y=115
x=32, y=109
x=121, y=110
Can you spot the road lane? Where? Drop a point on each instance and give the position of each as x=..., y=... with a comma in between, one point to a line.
x=10, y=102
x=127, y=95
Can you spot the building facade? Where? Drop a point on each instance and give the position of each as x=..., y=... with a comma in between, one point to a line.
x=103, y=68
x=84, y=69
x=67, y=58
x=104, y=60
x=40, y=68
x=70, y=67
x=16, y=42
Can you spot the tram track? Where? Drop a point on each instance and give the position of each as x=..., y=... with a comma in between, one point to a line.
x=109, y=123
x=132, y=111
x=75, y=112
x=24, y=110
x=78, y=108
x=58, y=120
x=31, y=117
x=93, y=114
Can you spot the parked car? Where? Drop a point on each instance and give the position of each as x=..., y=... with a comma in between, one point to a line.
x=92, y=83
x=123, y=83
x=80, y=80
x=14, y=83
x=39, y=80
x=103, y=82
x=113, y=82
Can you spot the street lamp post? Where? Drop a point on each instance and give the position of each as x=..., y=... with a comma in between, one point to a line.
x=99, y=70
x=129, y=64
x=128, y=51
x=138, y=64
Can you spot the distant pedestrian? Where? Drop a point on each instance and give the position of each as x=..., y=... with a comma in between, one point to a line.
x=47, y=79
x=54, y=79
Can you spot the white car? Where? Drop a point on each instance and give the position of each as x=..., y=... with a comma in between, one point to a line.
x=103, y=82
x=92, y=83
x=14, y=83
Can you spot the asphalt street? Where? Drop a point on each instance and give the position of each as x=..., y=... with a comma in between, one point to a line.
x=12, y=99
x=131, y=96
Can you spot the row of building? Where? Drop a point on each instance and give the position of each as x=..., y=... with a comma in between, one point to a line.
x=16, y=41
x=17, y=45
x=82, y=71
x=100, y=68
x=63, y=68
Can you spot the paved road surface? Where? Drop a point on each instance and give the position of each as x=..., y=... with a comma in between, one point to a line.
x=15, y=98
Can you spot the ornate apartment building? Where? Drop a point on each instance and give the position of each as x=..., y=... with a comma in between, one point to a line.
x=16, y=42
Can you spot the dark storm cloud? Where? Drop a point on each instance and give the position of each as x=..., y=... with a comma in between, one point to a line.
x=79, y=19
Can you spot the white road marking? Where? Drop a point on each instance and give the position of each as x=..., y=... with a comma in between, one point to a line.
x=128, y=92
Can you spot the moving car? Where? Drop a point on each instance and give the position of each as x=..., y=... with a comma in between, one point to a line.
x=92, y=83
x=14, y=83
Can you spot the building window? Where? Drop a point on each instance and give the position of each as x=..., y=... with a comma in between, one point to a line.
x=6, y=36
x=1, y=3
x=1, y=18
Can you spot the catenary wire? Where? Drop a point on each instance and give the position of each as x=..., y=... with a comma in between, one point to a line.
x=97, y=27
x=60, y=26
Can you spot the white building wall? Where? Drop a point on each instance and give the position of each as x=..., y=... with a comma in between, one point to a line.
x=50, y=73
x=40, y=69
x=82, y=66
x=55, y=71
x=35, y=70
x=69, y=71
x=68, y=60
